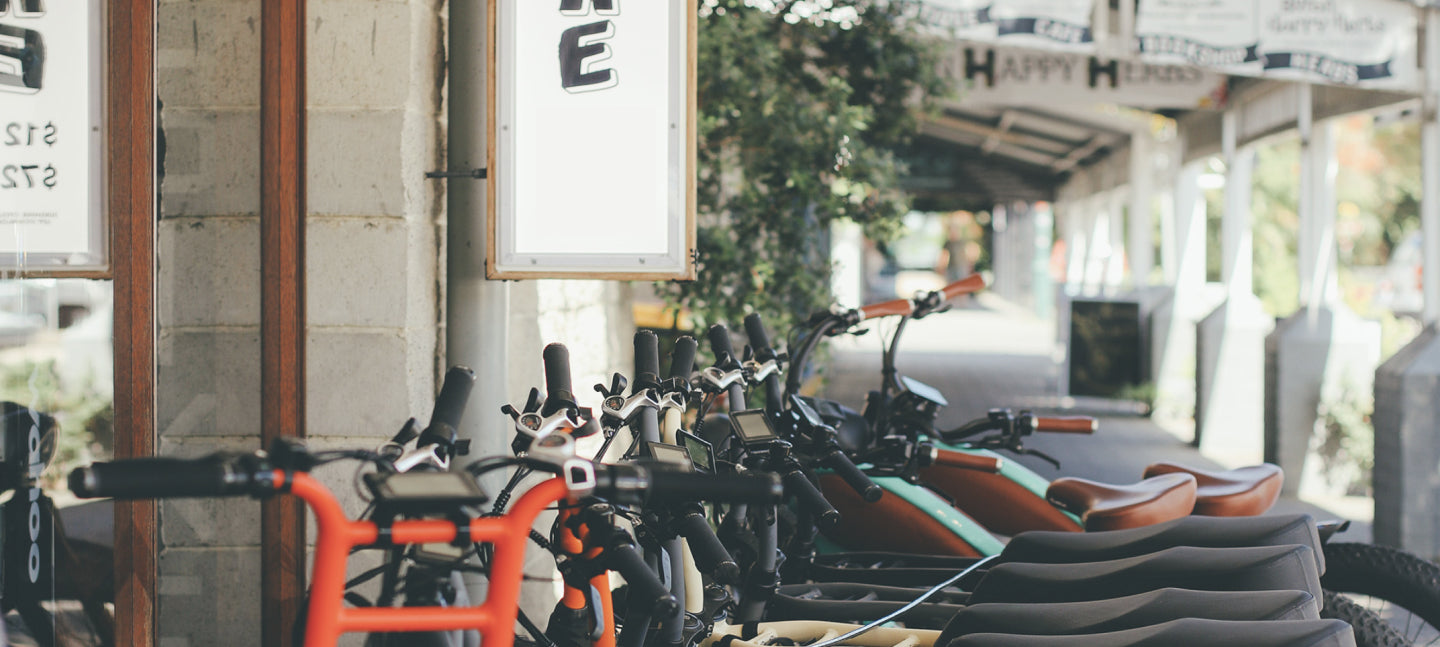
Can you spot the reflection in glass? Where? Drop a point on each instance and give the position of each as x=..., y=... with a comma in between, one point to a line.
x=56, y=413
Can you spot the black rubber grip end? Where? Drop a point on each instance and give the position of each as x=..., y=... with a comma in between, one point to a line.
x=719, y=337
x=558, y=392
x=647, y=358
x=759, y=338
x=682, y=359
x=450, y=404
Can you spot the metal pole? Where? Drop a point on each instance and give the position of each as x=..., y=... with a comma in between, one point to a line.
x=477, y=310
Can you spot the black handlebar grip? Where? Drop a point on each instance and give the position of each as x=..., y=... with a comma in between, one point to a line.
x=682, y=358
x=165, y=478
x=646, y=589
x=558, y=393
x=720, y=346
x=799, y=486
x=647, y=361
x=685, y=487
x=759, y=338
x=710, y=554
x=449, y=407
x=843, y=467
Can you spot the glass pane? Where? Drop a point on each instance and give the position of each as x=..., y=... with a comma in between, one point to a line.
x=56, y=413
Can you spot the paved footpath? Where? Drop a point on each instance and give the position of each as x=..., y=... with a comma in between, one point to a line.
x=990, y=354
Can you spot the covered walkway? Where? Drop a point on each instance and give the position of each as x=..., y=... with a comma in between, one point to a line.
x=991, y=353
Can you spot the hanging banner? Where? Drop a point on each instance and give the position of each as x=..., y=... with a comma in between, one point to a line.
x=51, y=211
x=591, y=170
x=1017, y=77
x=1046, y=24
x=1218, y=34
x=955, y=19
x=1366, y=43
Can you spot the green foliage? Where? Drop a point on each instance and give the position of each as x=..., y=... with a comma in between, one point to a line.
x=1345, y=439
x=85, y=419
x=800, y=106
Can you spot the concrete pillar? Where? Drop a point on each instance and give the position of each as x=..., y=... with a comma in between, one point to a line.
x=1230, y=394
x=1141, y=241
x=1323, y=349
x=1172, y=324
x=1115, y=221
x=1097, y=256
x=1042, y=236
x=1407, y=386
x=1077, y=243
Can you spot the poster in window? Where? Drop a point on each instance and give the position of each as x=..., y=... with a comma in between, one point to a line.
x=51, y=214
x=592, y=164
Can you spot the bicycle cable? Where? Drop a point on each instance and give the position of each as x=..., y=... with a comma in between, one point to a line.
x=905, y=609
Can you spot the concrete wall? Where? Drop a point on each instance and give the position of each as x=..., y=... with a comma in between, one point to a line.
x=373, y=278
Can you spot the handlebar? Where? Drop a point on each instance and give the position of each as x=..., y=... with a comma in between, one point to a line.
x=967, y=285
x=647, y=361
x=218, y=475
x=1067, y=425
x=558, y=393
x=967, y=461
x=719, y=337
x=647, y=592
x=898, y=307
x=810, y=498
x=682, y=358
x=710, y=554
x=843, y=467
x=759, y=337
x=449, y=409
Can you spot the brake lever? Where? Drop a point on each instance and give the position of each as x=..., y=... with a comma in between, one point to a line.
x=1043, y=456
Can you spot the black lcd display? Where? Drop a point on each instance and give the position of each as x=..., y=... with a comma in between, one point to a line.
x=702, y=455
x=753, y=426
x=670, y=454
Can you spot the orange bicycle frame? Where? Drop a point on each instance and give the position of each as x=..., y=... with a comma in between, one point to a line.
x=328, y=618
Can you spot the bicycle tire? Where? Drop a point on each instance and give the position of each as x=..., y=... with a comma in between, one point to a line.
x=1386, y=574
x=1370, y=630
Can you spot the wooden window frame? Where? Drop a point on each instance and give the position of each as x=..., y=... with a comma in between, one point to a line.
x=131, y=200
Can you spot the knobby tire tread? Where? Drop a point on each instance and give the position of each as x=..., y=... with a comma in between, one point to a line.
x=1387, y=573
x=1370, y=630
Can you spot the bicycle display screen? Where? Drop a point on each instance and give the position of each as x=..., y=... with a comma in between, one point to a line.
x=426, y=487
x=669, y=454
x=924, y=391
x=753, y=427
x=702, y=455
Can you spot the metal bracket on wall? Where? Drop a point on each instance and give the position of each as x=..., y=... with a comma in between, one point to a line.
x=478, y=174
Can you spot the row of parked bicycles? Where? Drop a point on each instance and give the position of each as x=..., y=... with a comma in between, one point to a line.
x=722, y=507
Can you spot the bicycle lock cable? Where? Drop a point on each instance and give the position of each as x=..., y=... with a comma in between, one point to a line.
x=905, y=609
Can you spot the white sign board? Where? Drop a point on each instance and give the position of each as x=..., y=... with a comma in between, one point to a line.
x=990, y=76
x=51, y=144
x=1366, y=43
x=1219, y=34
x=591, y=169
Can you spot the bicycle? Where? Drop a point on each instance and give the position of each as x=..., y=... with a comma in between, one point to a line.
x=444, y=501
x=1013, y=498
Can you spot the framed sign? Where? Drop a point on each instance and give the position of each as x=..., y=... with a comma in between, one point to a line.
x=591, y=165
x=52, y=218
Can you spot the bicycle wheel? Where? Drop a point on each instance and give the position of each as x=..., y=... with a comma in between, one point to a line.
x=1399, y=587
x=1370, y=630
